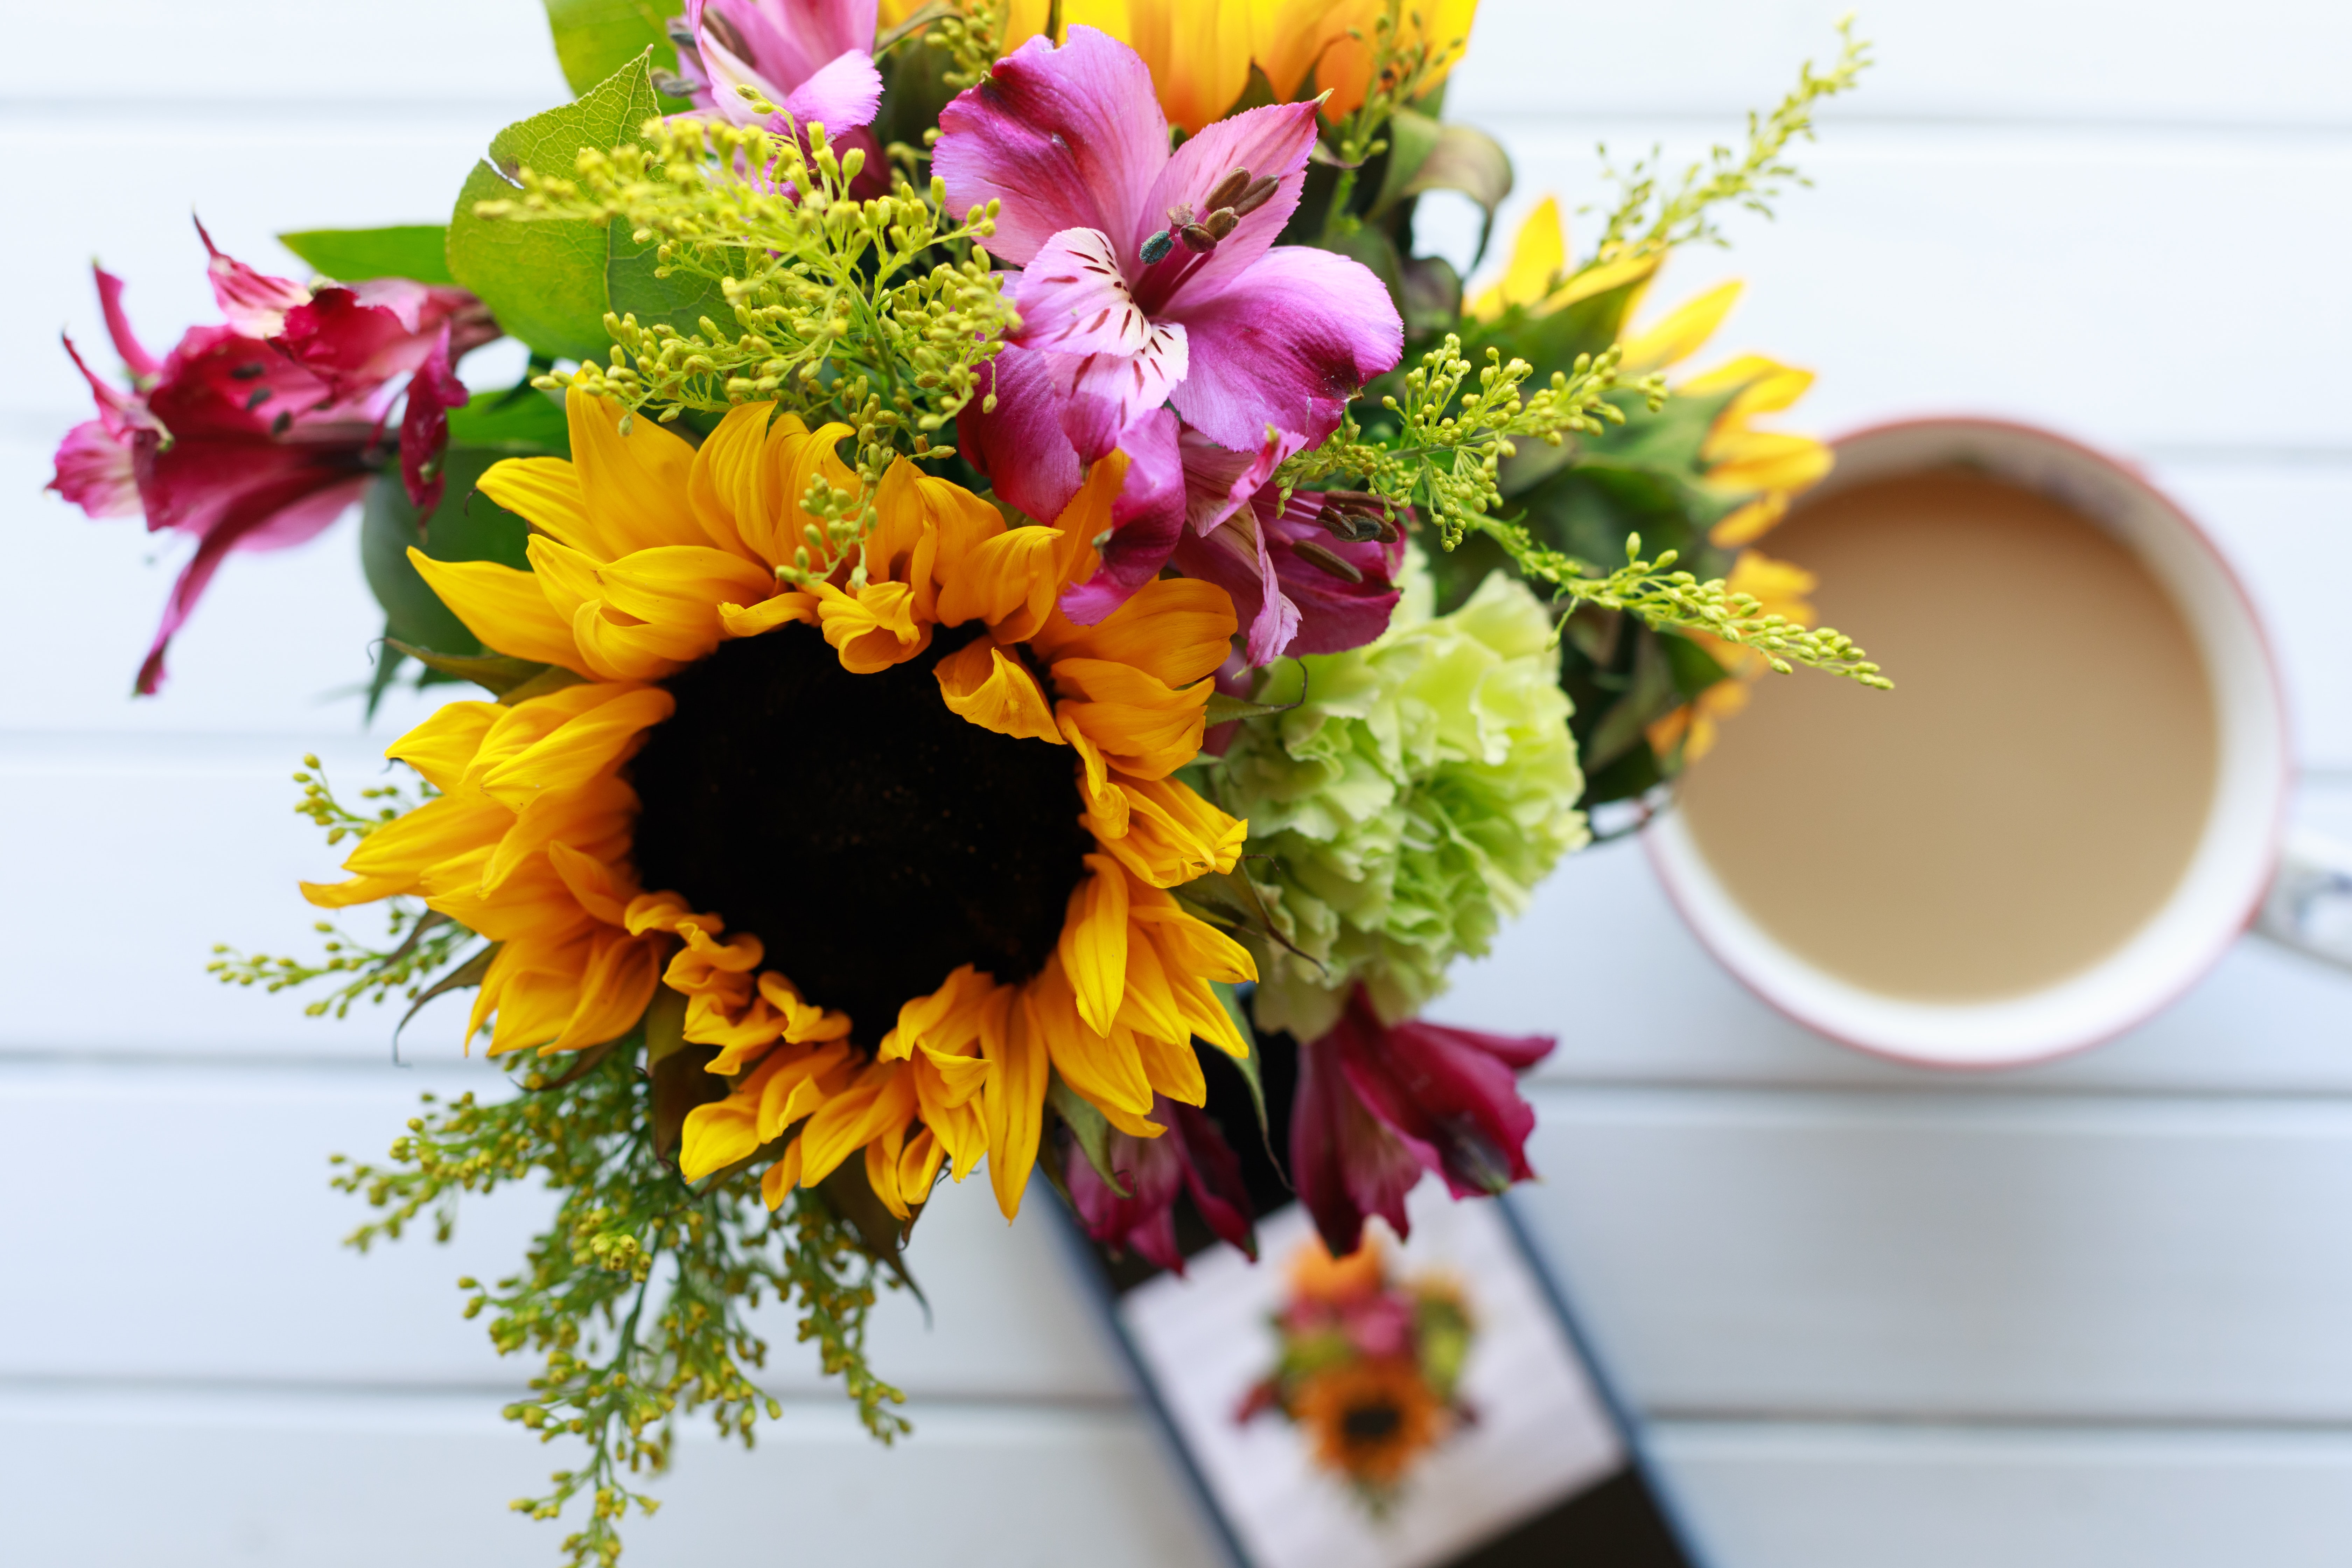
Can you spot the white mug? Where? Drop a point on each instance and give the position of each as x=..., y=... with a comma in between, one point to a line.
x=2245, y=870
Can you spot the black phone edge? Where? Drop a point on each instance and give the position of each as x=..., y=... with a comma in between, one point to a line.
x=1638, y=1452
x=1079, y=1250
x=1077, y=1247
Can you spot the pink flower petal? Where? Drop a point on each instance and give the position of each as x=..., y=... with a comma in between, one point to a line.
x=135, y=359
x=1288, y=344
x=93, y=470
x=273, y=511
x=1234, y=556
x=843, y=95
x=1073, y=301
x=1144, y=522
x=1334, y=614
x=793, y=41
x=1066, y=137
x=254, y=303
x=355, y=348
x=1444, y=1093
x=1108, y=393
x=1346, y=1164
x=432, y=391
x=1018, y=447
x=1273, y=140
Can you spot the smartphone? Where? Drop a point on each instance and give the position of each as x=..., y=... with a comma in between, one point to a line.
x=1533, y=1462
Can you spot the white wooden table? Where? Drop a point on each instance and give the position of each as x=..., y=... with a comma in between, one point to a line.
x=2095, y=1313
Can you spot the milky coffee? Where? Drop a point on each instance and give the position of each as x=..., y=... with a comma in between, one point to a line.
x=2029, y=793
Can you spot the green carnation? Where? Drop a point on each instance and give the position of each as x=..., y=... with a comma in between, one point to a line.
x=1416, y=797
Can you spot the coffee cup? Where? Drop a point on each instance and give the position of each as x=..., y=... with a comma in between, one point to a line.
x=2236, y=865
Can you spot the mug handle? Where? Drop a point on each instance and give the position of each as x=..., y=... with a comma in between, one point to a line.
x=2309, y=905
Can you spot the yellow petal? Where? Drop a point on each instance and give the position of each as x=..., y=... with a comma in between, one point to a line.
x=1683, y=332
x=502, y=606
x=1013, y=1101
x=1104, y=1068
x=1005, y=581
x=442, y=747
x=1093, y=945
x=545, y=493
x=1141, y=727
x=882, y=1097
x=985, y=686
x=682, y=585
x=636, y=486
x=1539, y=253
x=872, y=628
x=782, y=1177
x=581, y=748
x=1172, y=1067
x=612, y=992
x=733, y=486
x=1750, y=522
x=717, y=1135
x=1172, y=835
x=1175, y=629
x=740, y=621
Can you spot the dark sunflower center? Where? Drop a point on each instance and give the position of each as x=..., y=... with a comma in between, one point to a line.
x=1366, y=1424
x=872, y=839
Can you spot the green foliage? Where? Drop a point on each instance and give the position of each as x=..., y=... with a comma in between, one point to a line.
x=1441, y=451
x=421, y=941
x=466, y=526
x=547, y=283
x=415, y=251
x=595, y=38
x=877, y=312
x=1648, y=217
x=1411, y=795
x=637, y=1296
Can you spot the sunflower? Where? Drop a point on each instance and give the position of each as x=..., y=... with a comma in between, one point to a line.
x=909, y=830
x=1370, y=1417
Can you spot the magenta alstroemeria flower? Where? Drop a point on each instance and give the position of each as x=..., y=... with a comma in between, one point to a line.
x=1147, y=278
x=1379, y=1104
x=1191, y=1156
x=259, y=434
x=810, y=58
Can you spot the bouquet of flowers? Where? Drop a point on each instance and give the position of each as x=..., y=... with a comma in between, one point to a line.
x=1369, y=1366
x=1009, y=598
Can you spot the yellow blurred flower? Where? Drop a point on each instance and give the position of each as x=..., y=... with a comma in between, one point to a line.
x=1767, y=467
x=1200, y=51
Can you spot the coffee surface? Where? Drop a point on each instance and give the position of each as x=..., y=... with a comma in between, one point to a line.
x=2024, y=799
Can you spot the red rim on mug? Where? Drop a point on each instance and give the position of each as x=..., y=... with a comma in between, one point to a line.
x=2237, y=852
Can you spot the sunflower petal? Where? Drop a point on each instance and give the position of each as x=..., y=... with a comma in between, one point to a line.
x=634, y=485
x=988, y=688
x=442, y=747
x=1177, y=629
x=1013, y=1103
x=502, y=606
x=581, y=748
x=545, y=493
x=1093, y=946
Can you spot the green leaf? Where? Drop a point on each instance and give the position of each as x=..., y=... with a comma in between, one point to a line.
x=631, y=289
x=521, y=423
x=1232, y=999
x=468, y=526
x=665, y=1025
x=595, y=38
x=1090, y=1126
x=1225, y=709
x=493, y=672
x=1412, y=136
x=415, y=251
x=1468, y=161
x=680, y=1084
x=546, y=281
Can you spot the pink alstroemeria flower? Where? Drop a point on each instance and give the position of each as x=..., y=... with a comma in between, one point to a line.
x=1148, y=278
x=1379, y=1104
x=810, y=58
x=257, y=434
x=1192, y=1156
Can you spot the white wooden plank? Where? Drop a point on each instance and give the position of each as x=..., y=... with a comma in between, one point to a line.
x=250, y=1283
x=318, y=60
x=1915, y=1255
x=363, y=1480
x=1739, y=1253
x=128, y=1480
x=2268, y=62
x=1603, y=963
x=1961, y=269
x=1853, y=1495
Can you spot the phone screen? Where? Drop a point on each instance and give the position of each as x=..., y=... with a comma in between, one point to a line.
x=1511, y=1453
